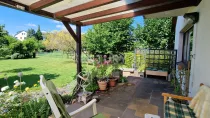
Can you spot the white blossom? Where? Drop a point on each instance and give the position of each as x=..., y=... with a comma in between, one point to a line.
x=11, y=93
x=1, y=93
x=16, y=81
x=22, y=83
x=20, y=74
x=4, y=88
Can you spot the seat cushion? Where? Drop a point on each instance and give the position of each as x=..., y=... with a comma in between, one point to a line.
x=178, y=110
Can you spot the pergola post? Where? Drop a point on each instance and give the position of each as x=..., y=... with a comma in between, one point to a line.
x=78, y=48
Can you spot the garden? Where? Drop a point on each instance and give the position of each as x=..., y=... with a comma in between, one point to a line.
x=21, y=63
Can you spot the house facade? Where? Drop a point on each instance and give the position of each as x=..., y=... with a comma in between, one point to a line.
x=21, y=35
x=193, y=44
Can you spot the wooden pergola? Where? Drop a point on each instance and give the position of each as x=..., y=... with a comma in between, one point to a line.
x=89, y=12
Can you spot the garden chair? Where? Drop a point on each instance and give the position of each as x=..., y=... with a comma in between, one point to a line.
x=199, y=105
x=57, y=105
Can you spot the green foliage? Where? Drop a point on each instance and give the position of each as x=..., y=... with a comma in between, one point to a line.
x=3, y=31
x=122, y=80
x=31, y=45
x=39, y=34
x=180, y=81
x=156, y=33
x=129, y=59
x=17, y=47
x=140, y=62
x=31, y=33
x=66, y=98
x=110, y=38
x=4, y=52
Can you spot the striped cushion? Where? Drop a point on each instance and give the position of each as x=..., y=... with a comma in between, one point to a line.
x=177, y=110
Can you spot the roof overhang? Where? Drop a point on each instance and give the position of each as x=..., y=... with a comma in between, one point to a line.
x=88, y=12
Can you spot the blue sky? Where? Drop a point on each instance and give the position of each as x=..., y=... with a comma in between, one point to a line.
x=15, y=21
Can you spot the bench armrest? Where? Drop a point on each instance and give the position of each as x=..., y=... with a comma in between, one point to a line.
x=166, y=95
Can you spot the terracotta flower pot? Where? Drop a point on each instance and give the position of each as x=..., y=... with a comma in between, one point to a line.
x=102, y=85
x=112, y=82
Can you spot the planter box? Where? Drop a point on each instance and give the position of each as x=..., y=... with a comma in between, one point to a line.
x=157, y=73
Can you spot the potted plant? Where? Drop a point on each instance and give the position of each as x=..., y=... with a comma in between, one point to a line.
x=112, y=79
x=101, y=74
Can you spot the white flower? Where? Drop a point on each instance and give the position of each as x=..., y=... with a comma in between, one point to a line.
x=17, y=84
x=22, y=83
x=4, y=88
x=20, y=74
x=16, y=81
x=1, y=93
x=11, y=93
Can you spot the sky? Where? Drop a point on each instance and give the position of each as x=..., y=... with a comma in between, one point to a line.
x=15, y=21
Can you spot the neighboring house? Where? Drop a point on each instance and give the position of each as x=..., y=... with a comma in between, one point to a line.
x=21, y=35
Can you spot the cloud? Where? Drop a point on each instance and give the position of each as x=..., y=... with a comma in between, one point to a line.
x=44, y=31
x=56, y=22
x=31, y=25
x=60, y=26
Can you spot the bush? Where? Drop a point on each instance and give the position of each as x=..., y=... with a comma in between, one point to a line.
x=31, y=109
x=4, y=51
x=15, y=56
x=8, y=57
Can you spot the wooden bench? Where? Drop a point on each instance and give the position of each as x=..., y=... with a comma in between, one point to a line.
x=157, y=73
x=184, y=108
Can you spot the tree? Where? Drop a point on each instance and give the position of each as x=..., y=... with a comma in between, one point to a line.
x=31, y=33
x=60, y=40
x=110, y=38
x=39, y=34
x=156, y=33
x=3, y=31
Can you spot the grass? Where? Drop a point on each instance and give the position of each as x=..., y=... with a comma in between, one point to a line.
x=54, y=66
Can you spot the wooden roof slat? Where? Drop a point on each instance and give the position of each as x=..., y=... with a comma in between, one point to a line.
x=16, y=5
x=131, y=6
x=165, y=7
x=42, y=4
x=82, y=7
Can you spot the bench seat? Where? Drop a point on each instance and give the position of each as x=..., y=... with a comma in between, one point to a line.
x=178, y=110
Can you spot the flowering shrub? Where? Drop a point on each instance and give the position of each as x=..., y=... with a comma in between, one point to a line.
x=14, y=102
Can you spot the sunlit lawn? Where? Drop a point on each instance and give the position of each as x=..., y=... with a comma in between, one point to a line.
x=53, y=66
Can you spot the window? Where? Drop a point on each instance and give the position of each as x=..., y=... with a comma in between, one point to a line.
x=187, y=46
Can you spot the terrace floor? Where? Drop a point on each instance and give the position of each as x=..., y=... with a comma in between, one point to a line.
x=133, y=100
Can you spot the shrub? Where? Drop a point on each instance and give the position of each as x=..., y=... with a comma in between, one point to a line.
x=4, y=51
x=8, y=57
x=15, y=56
x=66, y=98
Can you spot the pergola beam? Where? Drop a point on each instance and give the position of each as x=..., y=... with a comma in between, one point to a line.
x=42, y=4
x=82, y=7
x=70, y=30
x=79, y=50
x=162, y=8
x=131, y=6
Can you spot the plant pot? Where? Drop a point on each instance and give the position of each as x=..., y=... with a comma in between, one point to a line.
x=102, y=85
x=112, y=82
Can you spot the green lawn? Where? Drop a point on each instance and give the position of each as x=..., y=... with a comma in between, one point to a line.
x=53, y=66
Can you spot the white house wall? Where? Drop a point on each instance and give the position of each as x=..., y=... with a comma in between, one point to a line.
x=200, y=66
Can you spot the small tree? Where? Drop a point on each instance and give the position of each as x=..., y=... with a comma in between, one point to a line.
x=39, y=34
x=31, y=33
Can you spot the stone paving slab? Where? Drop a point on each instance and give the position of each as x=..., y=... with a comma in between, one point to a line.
x=134, y=100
